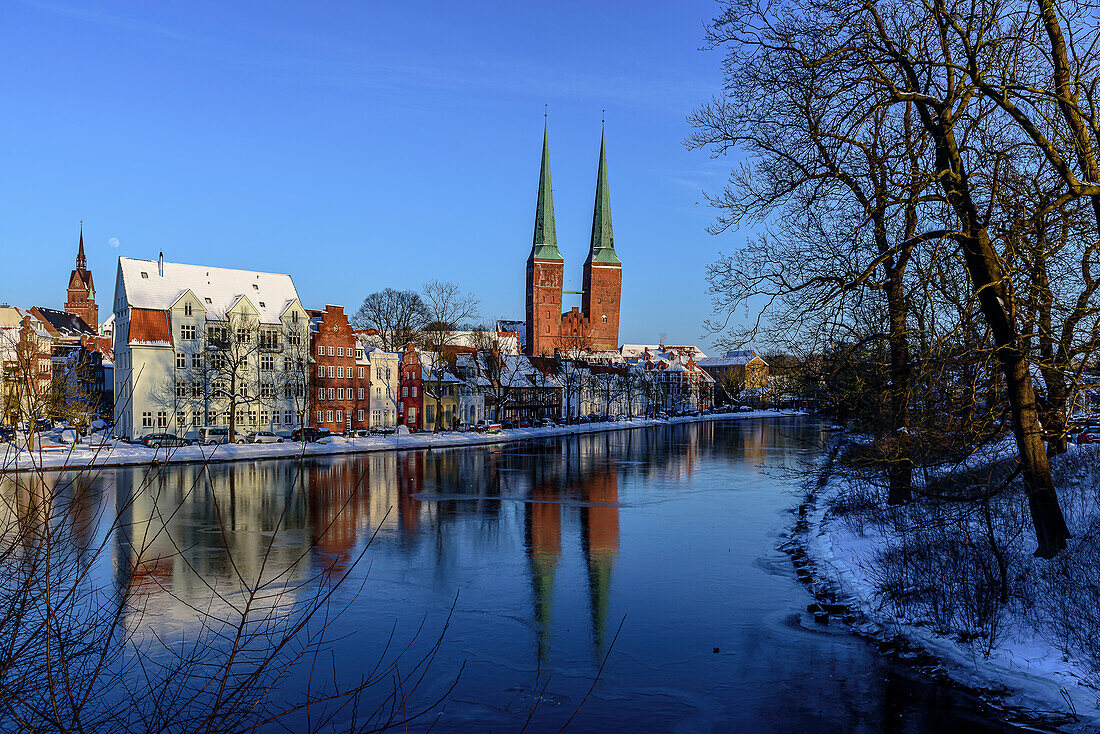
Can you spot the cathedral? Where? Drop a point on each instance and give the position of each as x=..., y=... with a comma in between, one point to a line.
x=81, y=298
x=594, y=327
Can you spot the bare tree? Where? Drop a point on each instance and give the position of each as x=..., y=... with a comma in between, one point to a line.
x=447, y=309
x=398, y=317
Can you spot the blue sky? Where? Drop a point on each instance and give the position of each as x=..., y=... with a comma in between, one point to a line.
x=357, y=145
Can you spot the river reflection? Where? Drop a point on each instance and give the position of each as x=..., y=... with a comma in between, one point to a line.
x=543, y=549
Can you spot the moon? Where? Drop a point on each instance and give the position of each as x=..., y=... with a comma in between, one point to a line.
x=113, y=242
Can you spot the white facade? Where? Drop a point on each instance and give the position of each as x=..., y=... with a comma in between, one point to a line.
x=382, y=370
x=174, y=324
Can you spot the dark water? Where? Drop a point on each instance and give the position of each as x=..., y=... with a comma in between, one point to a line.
x=652, y=549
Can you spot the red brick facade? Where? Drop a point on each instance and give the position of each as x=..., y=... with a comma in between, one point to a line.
x=600, y=305
x=544, y=284
x=81, y=292
x=410, y=408
x=340, y=391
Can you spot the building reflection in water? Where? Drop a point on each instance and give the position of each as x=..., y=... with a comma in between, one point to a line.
x=192, y=533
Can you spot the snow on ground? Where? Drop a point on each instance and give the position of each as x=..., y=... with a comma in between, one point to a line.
x=116, y=453
x=1024, y=673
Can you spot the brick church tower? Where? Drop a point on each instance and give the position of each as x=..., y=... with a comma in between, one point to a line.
x=603, y=271
x=595, y=326
x=81, y=300
x=545, y=269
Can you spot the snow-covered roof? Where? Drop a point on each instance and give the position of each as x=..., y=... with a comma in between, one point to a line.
x=731, y=358
x=638, y=350
x=217, y=288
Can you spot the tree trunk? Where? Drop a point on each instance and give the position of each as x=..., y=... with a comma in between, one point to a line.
x=1046, y=515
x=901, y=468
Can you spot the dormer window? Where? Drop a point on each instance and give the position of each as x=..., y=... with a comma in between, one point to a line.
x=255, y=287
x=262, y=305
x=208, y=300
x=145, y=275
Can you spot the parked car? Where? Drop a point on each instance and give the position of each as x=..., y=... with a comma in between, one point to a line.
x=163, y=440
x=7, y=433
x=546, y=423
x=507, y=424
x=43, y=424
x=264, y=437
x=309, y=434
x=481, y=426
x=525, y=423
x=209, y=435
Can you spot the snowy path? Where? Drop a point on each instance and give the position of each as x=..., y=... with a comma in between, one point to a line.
x=123, y=454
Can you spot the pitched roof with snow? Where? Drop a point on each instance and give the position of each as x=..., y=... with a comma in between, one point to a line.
x=219, y=289
x=63, y=323
x=732, y=358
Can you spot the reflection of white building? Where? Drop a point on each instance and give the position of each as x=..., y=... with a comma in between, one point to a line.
x=175, y=324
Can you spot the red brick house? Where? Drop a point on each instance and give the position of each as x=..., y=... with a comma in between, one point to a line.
x=340, y=388
x=410, y=408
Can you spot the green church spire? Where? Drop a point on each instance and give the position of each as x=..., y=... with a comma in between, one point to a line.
x=545, y=244
x=602, y=248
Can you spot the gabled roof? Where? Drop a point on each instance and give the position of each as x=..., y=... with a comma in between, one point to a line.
x=731, y=358
x=61, y=324
x=218, y=288
x=149, y=328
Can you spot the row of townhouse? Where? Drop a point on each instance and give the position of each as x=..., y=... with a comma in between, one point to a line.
x=52, y=365
x=207, y=346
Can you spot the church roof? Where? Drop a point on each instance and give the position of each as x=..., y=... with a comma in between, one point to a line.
x=63, y=324
x=601, y=250
x=544, y=244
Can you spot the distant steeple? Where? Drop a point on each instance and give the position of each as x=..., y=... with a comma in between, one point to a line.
x=545, y=242
x=81, y=261
x=602, y=248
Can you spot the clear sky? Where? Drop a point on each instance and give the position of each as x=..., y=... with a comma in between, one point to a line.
x=357, y=145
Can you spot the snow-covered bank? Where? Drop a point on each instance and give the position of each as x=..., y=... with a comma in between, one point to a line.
x=1010, y=654
x=122, y=454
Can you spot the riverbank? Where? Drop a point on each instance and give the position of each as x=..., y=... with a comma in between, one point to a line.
x=921, y=580
x=117, y=453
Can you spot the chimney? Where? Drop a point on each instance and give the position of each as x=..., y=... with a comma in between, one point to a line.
x=160, y=265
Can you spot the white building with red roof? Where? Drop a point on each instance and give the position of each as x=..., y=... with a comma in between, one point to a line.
x=176, y=327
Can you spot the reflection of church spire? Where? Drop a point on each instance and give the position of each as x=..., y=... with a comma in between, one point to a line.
x=600, y=543
x=543, y=551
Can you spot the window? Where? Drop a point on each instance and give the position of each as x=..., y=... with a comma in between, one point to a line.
x=359, y=355
x=328, y=416
x=331, y=351
x=339, y=351
x=288, y=418
x=331, y=394
x=331, y=370
x=269, y=338
x=360, y=393
x=339, y=393
x=267, y=362
x=162, y=419
x=339, y=416
x=340, y=372
x=145, y=275
x=255, y=287
x=378, y=372
x=196, y=361
x=181, y=419
x=274, y=417
x=147, y=420
x=320, y=393
x=320, y=370
x=429, y=413
x=267, y=390
x=378, y=391
x=196, y=389
x=604, y=317
x=320, y=416
x=320, y=351
x=188, y=308
x=243, y=337
x=412, y=415
x=414, y=391
x=405, y=391
x=294, y=317
x=208, y=300
x=181, y=361
x=294, y=338
x=361, y=375
x=181, y=389
x=263, y=417
x=187, y=332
